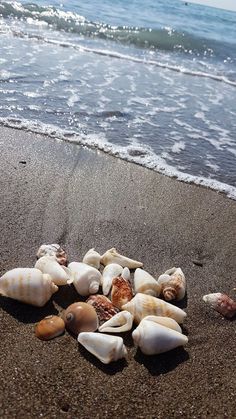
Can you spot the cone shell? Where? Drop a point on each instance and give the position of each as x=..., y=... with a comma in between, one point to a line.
x=164, y=321
x=221, y=303
x=143, y=305
x=50, y=327
x=86, y=278
x=53, y=250
x=145, y=283
x=92, y=258
x=80, y=317
x=112, y=256
x=28, y=285
x=103, y=306
x=110, y=271
x=121, y=322
x=173, y=285
x=121, y=292
x=105, y=347
x=153, y=338
x=48, y=265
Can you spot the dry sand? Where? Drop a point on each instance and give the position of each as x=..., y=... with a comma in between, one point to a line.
x=57, y=192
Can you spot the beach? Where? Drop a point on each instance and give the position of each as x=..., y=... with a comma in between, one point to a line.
x=57, y=192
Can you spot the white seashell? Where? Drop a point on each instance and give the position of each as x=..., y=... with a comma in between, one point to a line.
x=86, y=278
x=53, y=250
x=121, y=322
x=92, y=258
x=112, y=256
x=28, y=285
x=143, y=305
x=110, y=271
x=153, y=338
x=145, y=283
x=173, y=284
x=164, y=321
x=48, y=265
x=106, y=348
x=125, y=273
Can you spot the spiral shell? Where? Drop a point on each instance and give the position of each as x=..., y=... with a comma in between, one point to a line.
x=172, y=284
x=92, y=258
x=80, y=317
x=86, y=278
x=112, y=256
x=121, y=292
x=103, y=306
x=50, y=327
x=105, y=347
x=221, y=303
x=53, y=250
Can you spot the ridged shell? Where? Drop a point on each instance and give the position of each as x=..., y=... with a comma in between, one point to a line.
x=121, y=292
x=106, y=348
x=121, y=322
x=50, y=327
x=80, y=317
x=145, y=283
x=48, y=265
x=221, y=303
x=53, y=250
x=173, y=285
x=109, y=272
x=86, y=278
x=143, y=305
x=112, y=256
x=92, y=258
x=28, y=285
x=103, y=306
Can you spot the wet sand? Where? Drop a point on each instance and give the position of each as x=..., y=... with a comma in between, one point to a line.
x=58, y=192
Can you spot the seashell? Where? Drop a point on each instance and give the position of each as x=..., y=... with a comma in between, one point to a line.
x=92, y=258
x=50, y=327
x=221, y=303
x=173, y=284
x=145, y=283
x=103, y=306
x=53, y=250
x=121, y=322
x=80, y=317
x=153, y=338
x=106, y=348
x=121, y=292
x=28, y=285
x=165, y=321
x=48, y=265
x=110, y=271
x=112, y=256
x=86, y=278
x=143, y=305
x=125, y=273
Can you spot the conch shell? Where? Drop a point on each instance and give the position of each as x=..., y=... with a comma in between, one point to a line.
x=86, y=278
x=48, y=265
x=50, y=327
x=106, y=348
x=110, y=271
x=28, y=285
x=221, y=303
x=153, y=338
x=103, y=306
x=164, y=321
x=145, y=283
x=143, y=305
x=92, y=258
x=112, y=256
x=121, y=322
x=121, y=292
x=173, y=284
x=53, y=250
x=80, y=317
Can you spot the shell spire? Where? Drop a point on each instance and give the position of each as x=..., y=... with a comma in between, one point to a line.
x=86, y=278
x=172, y=284
x=112, y=256
x=53, y=250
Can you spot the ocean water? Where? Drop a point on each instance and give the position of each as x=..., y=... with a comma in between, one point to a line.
x=152, y=82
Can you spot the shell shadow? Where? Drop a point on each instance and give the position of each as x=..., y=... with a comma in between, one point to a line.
x=162, y=363
x=110, y=369
x=182, y=303
x=67, y=295
x=26, y=313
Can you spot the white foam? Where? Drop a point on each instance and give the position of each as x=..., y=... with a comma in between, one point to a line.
x=178, y=147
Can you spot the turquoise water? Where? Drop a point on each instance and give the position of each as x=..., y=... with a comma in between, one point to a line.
x=154, y=84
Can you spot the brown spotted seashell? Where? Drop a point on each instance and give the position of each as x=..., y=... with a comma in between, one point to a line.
x=221, y=303
x=121, y=292
x=53, y=250
x=49, y=328
x=103, y=306
x=80, y=317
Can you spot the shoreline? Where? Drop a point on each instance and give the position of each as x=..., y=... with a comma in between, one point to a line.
x=52, y=191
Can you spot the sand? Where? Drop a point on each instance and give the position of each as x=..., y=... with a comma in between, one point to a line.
x=59, y=192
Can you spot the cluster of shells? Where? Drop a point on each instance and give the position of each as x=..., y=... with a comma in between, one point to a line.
x=122, y=303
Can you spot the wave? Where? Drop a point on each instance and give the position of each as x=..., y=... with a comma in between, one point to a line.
x=136, y=153
x=162, y=39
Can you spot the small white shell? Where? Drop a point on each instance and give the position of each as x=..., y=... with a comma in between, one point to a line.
x=112, y=256
x=106, y=348
x=145, y=283
x=121, y=322
x=92, y=258
x=110, y=271
x=86, y=278
x=28, y=285
x=164, y=321
x=48, y=265
x=126, y=273
x=173, y=284
x=153, y=338
x=53, y=250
